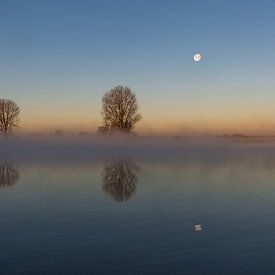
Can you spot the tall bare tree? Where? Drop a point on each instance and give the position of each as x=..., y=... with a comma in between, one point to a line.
x=119, y=110
x=9, y=116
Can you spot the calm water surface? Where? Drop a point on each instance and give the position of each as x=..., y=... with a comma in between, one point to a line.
x=136, y=216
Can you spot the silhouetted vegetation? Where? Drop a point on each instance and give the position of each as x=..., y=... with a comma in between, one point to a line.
x=8, y=174
x=120, y=179
x=9, y=116
x=119, y=110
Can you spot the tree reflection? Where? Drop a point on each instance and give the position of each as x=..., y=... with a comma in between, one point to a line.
x=120, y=179
x=8, y=174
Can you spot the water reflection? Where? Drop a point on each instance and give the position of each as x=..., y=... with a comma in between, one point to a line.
x=120, y=179
x=8, y=174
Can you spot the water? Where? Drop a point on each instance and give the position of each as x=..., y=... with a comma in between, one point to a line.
x=137, y=215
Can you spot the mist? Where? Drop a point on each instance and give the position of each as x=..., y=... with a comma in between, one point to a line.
x=94, y=147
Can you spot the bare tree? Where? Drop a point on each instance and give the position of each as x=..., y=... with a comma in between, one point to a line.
x=120, y=179
x=119, y=110
x=9, y=116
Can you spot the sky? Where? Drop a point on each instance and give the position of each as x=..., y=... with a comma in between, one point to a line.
x=57, y=59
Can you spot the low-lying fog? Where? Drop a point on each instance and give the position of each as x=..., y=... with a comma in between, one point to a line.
x=161, y=148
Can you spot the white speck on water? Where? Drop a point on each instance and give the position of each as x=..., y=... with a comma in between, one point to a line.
x=197, y=227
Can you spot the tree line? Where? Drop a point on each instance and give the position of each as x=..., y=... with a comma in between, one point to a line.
x=119, y=112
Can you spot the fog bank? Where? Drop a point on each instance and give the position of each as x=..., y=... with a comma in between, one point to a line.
x=88, y=148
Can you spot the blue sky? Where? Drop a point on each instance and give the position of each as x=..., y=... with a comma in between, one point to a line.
x=57, y=58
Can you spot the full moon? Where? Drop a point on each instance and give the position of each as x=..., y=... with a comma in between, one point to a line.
x=197, y=57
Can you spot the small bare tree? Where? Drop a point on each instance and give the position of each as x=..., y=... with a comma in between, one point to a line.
x=120, y=110
x=9, y=116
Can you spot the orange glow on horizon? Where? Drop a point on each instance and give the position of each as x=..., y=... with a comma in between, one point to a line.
x=160, y=126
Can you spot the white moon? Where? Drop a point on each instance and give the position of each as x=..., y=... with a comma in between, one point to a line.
x=197, y=57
